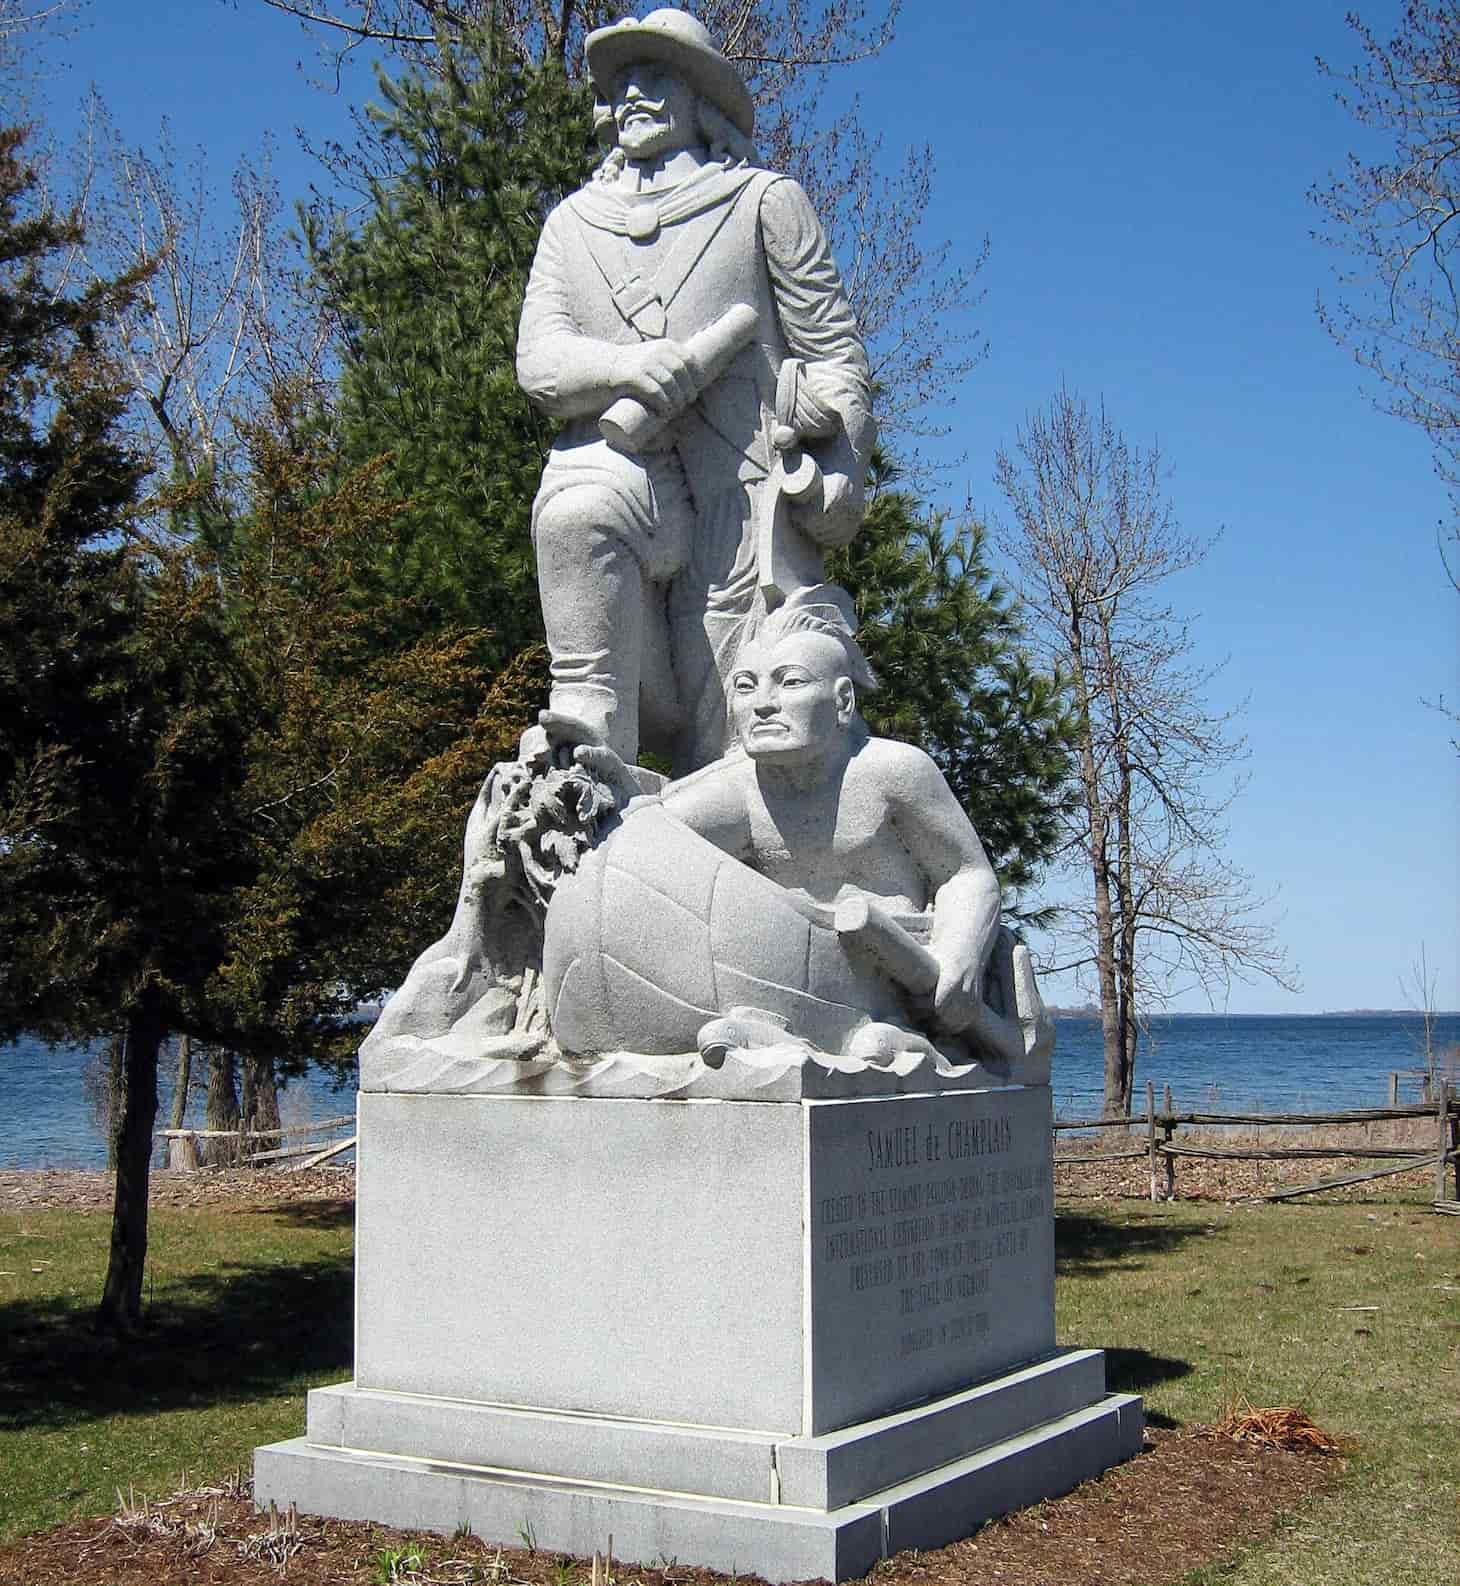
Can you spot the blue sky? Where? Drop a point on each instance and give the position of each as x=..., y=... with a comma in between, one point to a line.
x=1141, y=171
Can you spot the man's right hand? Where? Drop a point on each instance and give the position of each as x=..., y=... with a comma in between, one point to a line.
x=660, y=374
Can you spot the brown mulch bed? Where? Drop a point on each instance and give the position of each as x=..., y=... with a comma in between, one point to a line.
x=246, y=1188
x=1212, y=1496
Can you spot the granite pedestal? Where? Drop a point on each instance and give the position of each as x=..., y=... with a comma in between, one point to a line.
x=785, y=1339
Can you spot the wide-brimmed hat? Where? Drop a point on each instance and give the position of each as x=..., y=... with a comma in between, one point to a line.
x=681, y=41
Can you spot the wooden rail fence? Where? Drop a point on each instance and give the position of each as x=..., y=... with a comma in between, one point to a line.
x=182, y=1144
x=1424, y=1081
x=1162, y=1151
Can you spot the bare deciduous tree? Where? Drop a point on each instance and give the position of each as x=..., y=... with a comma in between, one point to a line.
x=1094, y=539
x=915, y=302
x=412, y=30
x=25, y=27
x=220, y=318
x=1398, y=221
x=775, y=45
x=20, y=16
x=1419, y=987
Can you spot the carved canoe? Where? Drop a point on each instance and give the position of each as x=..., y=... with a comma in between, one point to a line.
x=659, y=931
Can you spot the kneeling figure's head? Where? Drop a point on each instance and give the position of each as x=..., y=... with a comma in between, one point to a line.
x=793, y=692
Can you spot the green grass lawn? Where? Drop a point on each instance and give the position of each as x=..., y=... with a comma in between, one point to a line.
x=1193, y=1303
x=248, y=1311
x=1351, y=1311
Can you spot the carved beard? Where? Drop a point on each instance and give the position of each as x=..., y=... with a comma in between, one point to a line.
x=662, y=125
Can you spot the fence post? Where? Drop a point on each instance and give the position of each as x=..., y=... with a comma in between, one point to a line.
x=1442, y=1143
x=1455, y=1137
x=182, y=1153
x=1151, y=1134
x=1393, y=1087
x=1168, y=1130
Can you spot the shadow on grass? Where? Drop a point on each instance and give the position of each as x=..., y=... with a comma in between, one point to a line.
x=315, y=1214
x=1087, y=1242
x=1136, y=1370
x=242, y=1332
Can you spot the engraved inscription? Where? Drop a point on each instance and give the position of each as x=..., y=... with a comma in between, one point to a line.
x=933, y=1244
x=937, y=1238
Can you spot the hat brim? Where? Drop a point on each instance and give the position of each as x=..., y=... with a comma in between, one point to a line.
x=610, y=49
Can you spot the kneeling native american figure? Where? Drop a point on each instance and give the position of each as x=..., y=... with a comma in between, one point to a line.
x=817, y=892
x=817, y=885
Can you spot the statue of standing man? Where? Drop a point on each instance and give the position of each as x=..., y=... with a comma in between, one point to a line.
x=685, y=318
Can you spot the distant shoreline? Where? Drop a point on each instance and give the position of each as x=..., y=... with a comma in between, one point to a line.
x=1213, y=1063
x=1089, y=1011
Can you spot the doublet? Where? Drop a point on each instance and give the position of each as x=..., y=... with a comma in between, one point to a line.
x=741, y=235
x=614, y=268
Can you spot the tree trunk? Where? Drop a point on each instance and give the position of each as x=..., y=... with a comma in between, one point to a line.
x=1113, y=1106
x=121, y=1300
x=184, y=1082
x=222, y=1107
x=246, y=1095
x=1132, y=1037
x=1119, y=817
x=115, y=1098
x=1116, y=1102
x=260, y=1096
x=1126, y=953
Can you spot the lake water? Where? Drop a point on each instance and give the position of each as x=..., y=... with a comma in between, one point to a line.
x=47, y=1118
x=1254, y=1062
x=1211, y=1062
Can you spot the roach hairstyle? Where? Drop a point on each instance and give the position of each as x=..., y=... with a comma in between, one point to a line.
x=826, y=609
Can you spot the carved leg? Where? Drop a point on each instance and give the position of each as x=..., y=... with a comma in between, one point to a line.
x=593, y=606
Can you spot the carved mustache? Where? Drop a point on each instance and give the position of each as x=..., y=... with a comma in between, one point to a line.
x=637, y=106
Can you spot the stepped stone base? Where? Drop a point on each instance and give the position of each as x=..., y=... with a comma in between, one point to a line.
x=787, y=1509
x=786, y=1339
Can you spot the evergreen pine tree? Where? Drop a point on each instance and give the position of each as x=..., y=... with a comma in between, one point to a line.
x=363, y=756
x=119, y=704
x=944, y=639
x=222, y=816
x=429, y=292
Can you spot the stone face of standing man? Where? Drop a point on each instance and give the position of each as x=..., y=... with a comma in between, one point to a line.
x=647, y=547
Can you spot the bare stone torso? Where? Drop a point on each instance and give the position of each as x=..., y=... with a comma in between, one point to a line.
x=827, y=848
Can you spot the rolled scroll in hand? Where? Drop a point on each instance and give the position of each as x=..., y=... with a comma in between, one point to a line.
x=629, y=425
